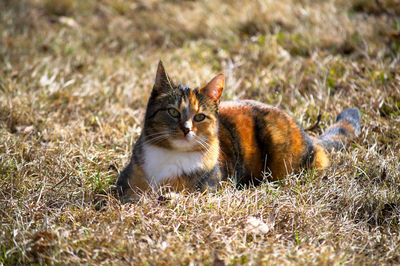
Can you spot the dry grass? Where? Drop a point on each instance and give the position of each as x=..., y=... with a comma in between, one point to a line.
x=74, y=81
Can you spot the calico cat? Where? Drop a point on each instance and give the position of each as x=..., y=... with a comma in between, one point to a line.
x=192, y=141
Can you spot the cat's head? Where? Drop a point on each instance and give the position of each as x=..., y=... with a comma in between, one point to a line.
x=182, y=118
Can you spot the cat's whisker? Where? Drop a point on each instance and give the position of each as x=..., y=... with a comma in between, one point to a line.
x=204, y=148
x=161, y=133
x=155, y=139
x=157, y=133
x=207, y=147
x=201, y=142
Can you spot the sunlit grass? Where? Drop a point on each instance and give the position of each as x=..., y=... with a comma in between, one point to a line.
x=74, y=81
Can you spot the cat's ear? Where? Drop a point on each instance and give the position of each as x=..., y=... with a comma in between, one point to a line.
x=213, y=89
x=162, y=82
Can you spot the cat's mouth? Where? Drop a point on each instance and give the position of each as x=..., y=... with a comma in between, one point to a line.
x=184, y=143
x=182, y=140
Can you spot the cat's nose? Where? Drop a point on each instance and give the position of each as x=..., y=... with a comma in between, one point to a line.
x=185, y=130
x=186, y=127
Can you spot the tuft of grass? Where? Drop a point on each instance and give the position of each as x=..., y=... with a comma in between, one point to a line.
x=75, y=77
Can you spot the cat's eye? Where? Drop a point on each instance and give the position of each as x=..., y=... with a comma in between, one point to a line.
x=174, y=113
x=199, y=117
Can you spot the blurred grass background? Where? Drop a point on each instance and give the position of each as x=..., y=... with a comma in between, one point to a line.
x=74, y=81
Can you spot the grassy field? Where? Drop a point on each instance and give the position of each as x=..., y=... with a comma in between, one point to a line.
x=74, y=81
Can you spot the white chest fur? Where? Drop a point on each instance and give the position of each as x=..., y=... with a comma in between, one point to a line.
x=161, y=164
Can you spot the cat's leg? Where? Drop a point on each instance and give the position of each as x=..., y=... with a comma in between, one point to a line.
x=132, y=183
x=285, y=142
x=208, y=180
x=320, y=156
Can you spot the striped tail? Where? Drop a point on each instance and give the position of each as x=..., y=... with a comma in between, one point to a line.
x=346, y=127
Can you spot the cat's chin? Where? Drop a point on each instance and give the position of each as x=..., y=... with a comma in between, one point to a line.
x=183, y=144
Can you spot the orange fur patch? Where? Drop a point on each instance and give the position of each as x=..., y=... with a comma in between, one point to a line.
x=321, y=160
x=211, y=157
x=250, y=150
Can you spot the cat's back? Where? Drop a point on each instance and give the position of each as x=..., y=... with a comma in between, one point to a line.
x=245, y=107
x=249, y=113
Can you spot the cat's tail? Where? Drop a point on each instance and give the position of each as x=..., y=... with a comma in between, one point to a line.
x=346, y=128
